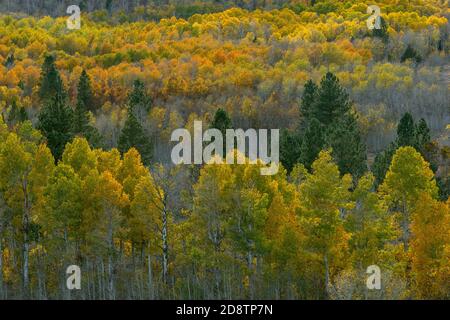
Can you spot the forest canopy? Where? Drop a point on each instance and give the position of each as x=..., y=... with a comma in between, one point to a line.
x=85, y=170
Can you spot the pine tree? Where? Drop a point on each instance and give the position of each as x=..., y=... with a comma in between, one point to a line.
x=139, y=101
x=16, y=115
x=406, y=131
x=51, y=83
x=55, y=123
x=308, y=100
x=411, y=53
x=84, y=92
x=22, y=114
x=9, y=62
x=291, y=142
x=80, y=119
x=83, y=5
x=382, y=32
x=108, y=6
x=382, y=162
x=80, y=124
x=332, y=100
x=423, y=137
x=312, y=143
x=349, y=151
x=221, y=121
x=133, y=135
x=289, y=149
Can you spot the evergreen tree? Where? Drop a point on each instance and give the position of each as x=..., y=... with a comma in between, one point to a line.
x=382, y=32
x=9, y=62
x=133, y=136
x=289, y=149
x=221, y=121
x=108, y=6
x=292, y=143
x=51, y=83
x=411, y=54
x=84, y=92
x=133, y=133
x=82, y=127
x=80, y=119
x=443, y=184
x=308, y=99
x=332, y=100
x=55, y=123
x=349, y=151
x=80, y=124
x=312, y=143
x=83, y=5
x=16, y=115
x=382, y=163
x=406, y=131
x=139, y=101
x=423, y=137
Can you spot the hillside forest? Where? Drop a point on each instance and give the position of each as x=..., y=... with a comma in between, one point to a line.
x=86, y=176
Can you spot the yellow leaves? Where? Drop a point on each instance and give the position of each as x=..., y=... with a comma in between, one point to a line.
x=15, y=161
x=145, y=210
x=233, y=47
x=324, y=195
x=111, y=191
x=131, y=171
x=43, y=166
x=244, y=78
x=430, y=244
x=80, y=157
x=108, y=161
x=388, y=75
x=408, y=176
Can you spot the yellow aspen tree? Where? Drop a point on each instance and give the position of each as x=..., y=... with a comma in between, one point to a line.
x=409, y=175
x=430, y=248
x=324, y=198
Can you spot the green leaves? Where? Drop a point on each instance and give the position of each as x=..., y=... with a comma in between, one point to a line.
x=327, y=121
x=349, y=150
x=408, y=176
x=133, y=136
x=332, y=100
x=51, y=85
x=55, y=123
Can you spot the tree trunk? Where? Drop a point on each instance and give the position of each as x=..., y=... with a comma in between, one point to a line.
x=165, y=245
x=251, y=273
x=150, y=274
x=405, y=226
x=26, y=246
x=110, y=259
x=327, y=274
x=1, y=262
